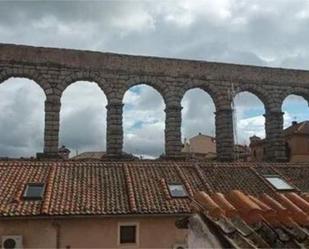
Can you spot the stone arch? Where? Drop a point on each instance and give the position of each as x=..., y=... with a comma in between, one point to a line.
x=204, y=120
x=259, y=92
x=255, y=113
x=153, y=82
x=205, y=86
x=299, y=91
x=34, y=81
x=66, y=101
x=33, y=75
x=86, y=76
x=154, y=140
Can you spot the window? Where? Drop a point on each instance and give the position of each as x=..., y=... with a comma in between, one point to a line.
x=128, y=233
x=177, y=190
x=34, y=191
x=278, y=183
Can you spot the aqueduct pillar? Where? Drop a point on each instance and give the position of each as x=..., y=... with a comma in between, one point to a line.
x=173, y=143
x=275, y=145
x=114, y=130
x=224, y=134
x=51, y=131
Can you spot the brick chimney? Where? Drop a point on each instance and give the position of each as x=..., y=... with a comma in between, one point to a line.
x=294, y=123
x=64, y=152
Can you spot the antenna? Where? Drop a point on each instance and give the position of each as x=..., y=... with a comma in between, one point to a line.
x=234, y=115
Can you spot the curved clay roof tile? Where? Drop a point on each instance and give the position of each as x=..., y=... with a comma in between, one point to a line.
x=265, y=208
x=299, y=201
x=206, y=201
x=274, y=204
x=294, y=211
x=243, y=202
x=228, y=208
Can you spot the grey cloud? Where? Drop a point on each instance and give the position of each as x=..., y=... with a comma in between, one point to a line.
x=247, y=100
x=197, y=114
x=83, y=117
x=260, y=32
x=22, y=118
x=84, y=130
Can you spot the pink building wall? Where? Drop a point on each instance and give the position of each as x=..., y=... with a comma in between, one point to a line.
x=153, y=232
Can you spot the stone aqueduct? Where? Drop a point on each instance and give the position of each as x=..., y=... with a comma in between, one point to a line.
x=55, y=69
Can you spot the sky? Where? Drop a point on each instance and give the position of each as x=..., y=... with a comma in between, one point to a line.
x=258, y=32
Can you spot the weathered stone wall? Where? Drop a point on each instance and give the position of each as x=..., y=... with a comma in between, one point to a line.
x=55, y=69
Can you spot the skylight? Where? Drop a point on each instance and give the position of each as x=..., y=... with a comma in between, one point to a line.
x=278, y=183
x=177, y=190
x=34, y=191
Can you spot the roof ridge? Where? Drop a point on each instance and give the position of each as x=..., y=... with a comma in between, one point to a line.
x=197, y=167
x=48, y=190
x=184, y=180
x=128, y=178
x=262, y=179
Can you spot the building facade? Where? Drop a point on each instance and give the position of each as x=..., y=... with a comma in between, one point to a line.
x=94, y=232
x=296, y=139
x=121, y=204
x=204, y=147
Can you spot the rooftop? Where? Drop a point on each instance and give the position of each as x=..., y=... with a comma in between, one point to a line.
x=239, y=220
x=132, y=187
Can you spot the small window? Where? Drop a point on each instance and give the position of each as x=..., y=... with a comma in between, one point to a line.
x=34, y=191
x=128, y=234
x=278, y=183
x=177, y=190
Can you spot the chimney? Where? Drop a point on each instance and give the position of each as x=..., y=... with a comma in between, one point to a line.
x=294, y=123
x=64, y=152
x=254, y=139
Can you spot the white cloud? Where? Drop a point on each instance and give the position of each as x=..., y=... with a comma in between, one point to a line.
x=248, y=127
x=83, y=117
x=238, y=31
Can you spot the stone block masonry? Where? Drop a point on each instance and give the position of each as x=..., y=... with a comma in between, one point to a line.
x=54, y=69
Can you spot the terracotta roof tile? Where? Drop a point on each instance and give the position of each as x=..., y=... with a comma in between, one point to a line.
x=133, y=187
x=258, y=222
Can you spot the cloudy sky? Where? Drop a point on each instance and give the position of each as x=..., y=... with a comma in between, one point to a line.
x=259, y=32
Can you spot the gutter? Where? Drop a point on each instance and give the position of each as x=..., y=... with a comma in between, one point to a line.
x=56, y=225
x=60, y=217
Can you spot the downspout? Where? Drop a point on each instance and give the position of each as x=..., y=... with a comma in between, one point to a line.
x=56, y=225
